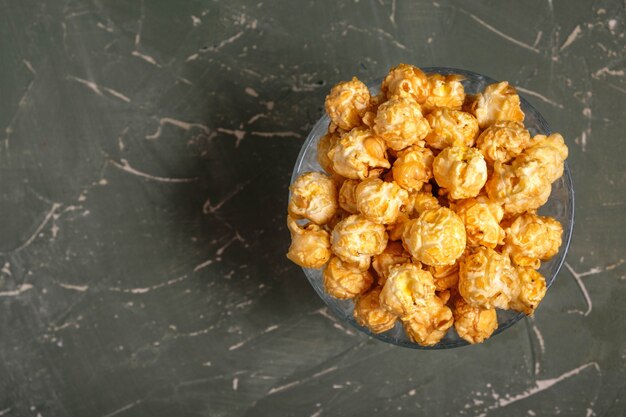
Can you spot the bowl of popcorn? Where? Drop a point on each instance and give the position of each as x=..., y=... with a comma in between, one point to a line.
x=432, y=209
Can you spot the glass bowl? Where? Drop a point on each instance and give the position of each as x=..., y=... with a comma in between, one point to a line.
x=560, y=205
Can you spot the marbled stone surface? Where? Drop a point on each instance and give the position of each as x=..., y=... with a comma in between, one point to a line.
x=145, y=153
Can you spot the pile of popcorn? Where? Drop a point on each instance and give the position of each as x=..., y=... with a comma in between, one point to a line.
x=427, y=211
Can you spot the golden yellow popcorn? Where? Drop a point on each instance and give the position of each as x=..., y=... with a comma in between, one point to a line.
x=310, y=245
x=482, y=219
x=407, y=288
x=436, y=238
x=532, y=238
x=347, y=103
x=344, y=280
x=472, y=323
x=446, y=276
x=451, y=128
x=429, y=324
x=406, y=81
x=498, y=102
x=356, y=239
x=503, y=141
x=413, y=168
x=550, y=152
x=359, y=154
x=462, y=171
x=518, y=187
x=347, y=196
x=400, y=123
x=444, y=91
x=380, y=201
x=421, y=201
x=487, y=279
x=394, y=254
x=396, y=230
x=323, y=146
x=532, y=290
x=369, y=313
x=313, y=197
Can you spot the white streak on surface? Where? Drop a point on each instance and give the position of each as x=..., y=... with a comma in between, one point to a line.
x=499, y=33
x=237, y=237
x=203, y=265
x=571, y=38
x=31, y=69
x=583, y=289
x=226, y=41
x=143, y=290
x=22, y=288
x=251, y=92
x=122, y=409
x=542, y=344
x=116, y=94
x=98, y=89
x=80, y=288
x=145, y=57
x=544, y=384
x=286, y=134
x=607, y=71
x=178, y=123
x=539, y=96
x=210, y=208
x=89, y=84
x=39, y=228
x=125, y=166
x=235, y=384
x=298, y=382
x=5, y=411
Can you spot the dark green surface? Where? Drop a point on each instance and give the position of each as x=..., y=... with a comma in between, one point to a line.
x=145, y=153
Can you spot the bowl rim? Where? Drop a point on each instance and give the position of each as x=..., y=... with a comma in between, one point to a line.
x=569, y=185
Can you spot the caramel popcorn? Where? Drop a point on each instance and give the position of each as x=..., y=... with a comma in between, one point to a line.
x=394, y=254
x=406, y=81
x=422, y=201
x=472, y=323
x=323, y=146
x=445, y=276
x=359, y=154
x=344, y=280
x=444, y=91
x=400, y=123
x=487, y=279
x=433, y=194
x=380, y=201
x=347, y=103
x=356, y=239
x=518, y=187
x=503, y=141
x=436, y=238
x=347, y=196
x=310, y=245
x=482, y=219
x=532, y=238
x=313, y=197
x=428, y=325
x=407, y=289
x=396, y=230
x=550, y=153
x=413, y=168
x=498, y=102
x=461, y=171
x=532, y=290
x=451, y=128
x=369, y=313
